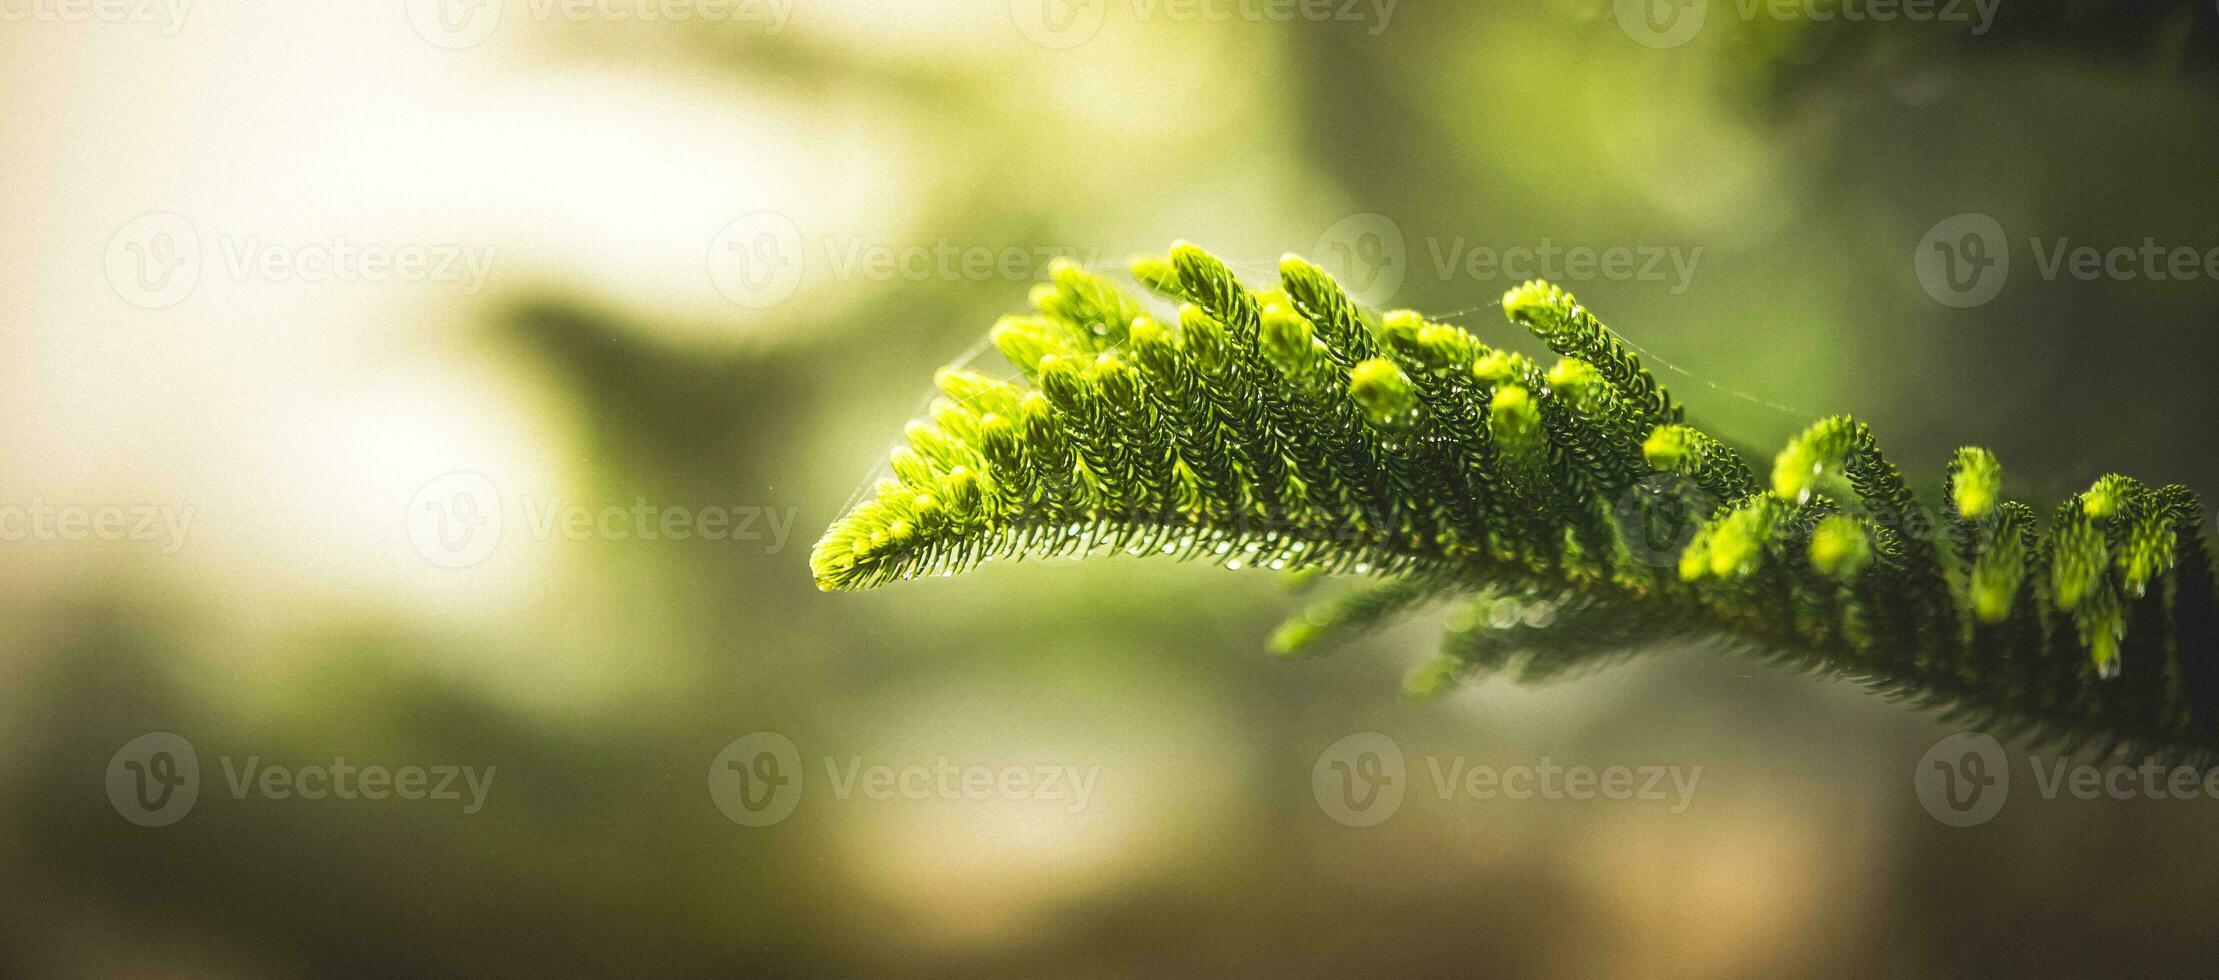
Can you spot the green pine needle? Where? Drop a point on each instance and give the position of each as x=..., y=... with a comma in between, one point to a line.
x=1289, y=428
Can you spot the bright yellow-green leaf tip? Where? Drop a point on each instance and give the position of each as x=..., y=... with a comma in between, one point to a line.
x=2102, y=501
x=1402, y=323
x=910, y=467
x=1839, y=546
x=1041, y=295
x=1666, y=447
x=1572, y=374
x=1991, y=600
x=1794, y=472
x=1976, y=481
x=2077, y=562
x=1285, y=338
x=1380, y=389
x=1521, y=300
x=1498, y=367
x=1695, y=558
x=1147, y=330
x=927, y=506
x=1515, y=419
x=1737, y=542
x=1443, y=347
x=1431, y=678
x=2103, y=652
x=1732, y=552
x=963, y=490
x=1294, y=636
x=1153, y=271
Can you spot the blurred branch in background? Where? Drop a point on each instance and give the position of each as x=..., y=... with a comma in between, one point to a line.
x=618, y=351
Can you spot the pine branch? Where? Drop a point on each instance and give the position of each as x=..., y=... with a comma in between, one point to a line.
x=1289, y=428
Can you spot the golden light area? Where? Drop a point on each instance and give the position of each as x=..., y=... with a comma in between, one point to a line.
x=1743, y=887
x=296, y=413
x=1066, y=801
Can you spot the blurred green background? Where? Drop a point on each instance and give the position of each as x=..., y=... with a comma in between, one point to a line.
x=726, y=252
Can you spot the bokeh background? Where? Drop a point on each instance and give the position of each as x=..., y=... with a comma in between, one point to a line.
x=719, y=256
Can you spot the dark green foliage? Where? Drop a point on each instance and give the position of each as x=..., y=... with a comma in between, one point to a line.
x=1288, y=428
